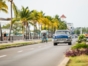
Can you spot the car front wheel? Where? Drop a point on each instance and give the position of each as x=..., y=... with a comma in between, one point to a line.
x=69, y=43
x=55, y=44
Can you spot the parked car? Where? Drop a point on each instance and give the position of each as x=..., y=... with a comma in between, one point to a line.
x=62, y=36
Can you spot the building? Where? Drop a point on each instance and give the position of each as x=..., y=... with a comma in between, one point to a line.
x=70, y=27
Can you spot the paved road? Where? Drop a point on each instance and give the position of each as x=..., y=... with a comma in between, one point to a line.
x=43, y=54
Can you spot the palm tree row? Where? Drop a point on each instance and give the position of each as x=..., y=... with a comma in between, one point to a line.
x=34, y=17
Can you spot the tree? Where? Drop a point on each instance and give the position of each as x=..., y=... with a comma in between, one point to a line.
x=22, y=17
x=11, y=1
x=24, y=14
x=40, y=18
x=3, y=6
x=35, y=17
x=62, y=25
x=77, y=31
x=6, y=26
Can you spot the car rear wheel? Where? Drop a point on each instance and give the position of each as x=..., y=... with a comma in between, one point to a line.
x=69, y=43
x=55, y=44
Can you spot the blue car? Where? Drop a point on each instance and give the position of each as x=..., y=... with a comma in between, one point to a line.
x=62, y=36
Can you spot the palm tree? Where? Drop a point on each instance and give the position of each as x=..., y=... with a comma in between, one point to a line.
x=34, y=16
x=62, y=25
x=49, y=22
x=40, y=20
x=58, y=18
x=19, y=15
x=24, y=17
x=3, y=6
x=11, y=1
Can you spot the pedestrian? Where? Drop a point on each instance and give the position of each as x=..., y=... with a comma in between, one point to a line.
x=44, y=39
x=5, y=36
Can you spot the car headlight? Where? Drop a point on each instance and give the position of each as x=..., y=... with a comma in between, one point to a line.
x=69, y=37
x=55, y=39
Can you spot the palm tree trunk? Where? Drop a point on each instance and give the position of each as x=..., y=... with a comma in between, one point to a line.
x=23, y=32
x=11, y=22
x=1, y=32
x=48, y=31
x=35, y=28
x=52, y=28
x=40, y=30
x=28, y=32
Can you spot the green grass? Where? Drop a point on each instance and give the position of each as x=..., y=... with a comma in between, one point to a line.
x=78, y=61
x=5, y=46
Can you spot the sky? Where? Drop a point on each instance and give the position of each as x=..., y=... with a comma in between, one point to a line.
x=76, y=11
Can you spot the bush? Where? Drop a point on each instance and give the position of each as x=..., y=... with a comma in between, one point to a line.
x=77, y=52
x=78, y=49
x=81, y=38
x=80, y=45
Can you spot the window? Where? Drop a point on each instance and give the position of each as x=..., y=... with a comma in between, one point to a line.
x=62, y=32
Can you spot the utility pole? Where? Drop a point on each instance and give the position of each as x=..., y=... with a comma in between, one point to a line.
x=81, y=30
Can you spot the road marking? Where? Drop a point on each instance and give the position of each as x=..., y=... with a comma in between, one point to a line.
x=20, y=51
x=3, y=56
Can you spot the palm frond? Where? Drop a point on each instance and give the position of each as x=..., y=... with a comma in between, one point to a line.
x=3, y=6
x=4, y=10
x=16, y=12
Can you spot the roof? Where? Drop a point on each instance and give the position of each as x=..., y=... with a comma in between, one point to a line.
x=62, y=30
x=5, y=19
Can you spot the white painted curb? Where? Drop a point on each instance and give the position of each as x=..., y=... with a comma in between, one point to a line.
x=64, y=62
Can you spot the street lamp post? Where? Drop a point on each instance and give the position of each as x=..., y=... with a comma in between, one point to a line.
x=11, y=1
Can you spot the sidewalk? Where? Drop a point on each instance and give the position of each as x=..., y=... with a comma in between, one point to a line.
x=18, y=41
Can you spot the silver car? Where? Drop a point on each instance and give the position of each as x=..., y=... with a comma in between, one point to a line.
x=62, y=36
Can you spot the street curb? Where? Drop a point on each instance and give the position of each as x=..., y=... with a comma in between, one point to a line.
x=64, y=62
x=66, y=59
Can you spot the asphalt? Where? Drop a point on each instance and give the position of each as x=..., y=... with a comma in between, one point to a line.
x=58, y=60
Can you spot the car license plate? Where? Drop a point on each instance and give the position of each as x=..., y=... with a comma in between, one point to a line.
x=61, y=41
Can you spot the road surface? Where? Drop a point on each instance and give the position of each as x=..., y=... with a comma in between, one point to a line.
x=43, y=54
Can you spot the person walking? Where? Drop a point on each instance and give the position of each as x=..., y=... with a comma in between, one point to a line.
x=5, y=37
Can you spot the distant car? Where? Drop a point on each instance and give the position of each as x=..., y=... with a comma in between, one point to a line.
x=62, y=36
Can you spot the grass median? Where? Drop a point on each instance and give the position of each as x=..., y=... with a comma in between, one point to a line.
x=78, y=61
x=5, y=46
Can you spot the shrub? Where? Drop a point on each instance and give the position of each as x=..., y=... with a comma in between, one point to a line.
x=77, y=52
x=81, y=38
x=79, y=41
x=80, y=45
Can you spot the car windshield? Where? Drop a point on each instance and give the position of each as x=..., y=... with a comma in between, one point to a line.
x=62, y=32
